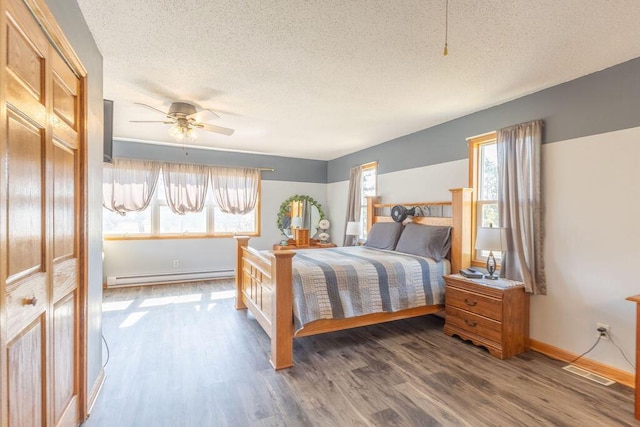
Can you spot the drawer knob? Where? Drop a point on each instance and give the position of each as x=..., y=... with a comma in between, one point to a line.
x=471, y=303
x=470, y=323
x=31, y=301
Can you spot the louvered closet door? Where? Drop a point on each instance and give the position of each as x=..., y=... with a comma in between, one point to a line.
x=39, y=241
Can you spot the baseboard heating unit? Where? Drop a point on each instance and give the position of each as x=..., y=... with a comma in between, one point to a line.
x=154, y=279
x=588, y=375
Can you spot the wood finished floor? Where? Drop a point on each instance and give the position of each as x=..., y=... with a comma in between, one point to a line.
x=181, y=355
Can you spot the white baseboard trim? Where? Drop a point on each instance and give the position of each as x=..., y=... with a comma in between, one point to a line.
x=160, y=278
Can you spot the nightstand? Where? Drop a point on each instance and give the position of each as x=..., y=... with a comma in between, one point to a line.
x=490, y=313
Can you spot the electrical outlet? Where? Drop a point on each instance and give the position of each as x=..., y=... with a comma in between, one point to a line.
x=176, y=263
x=605, y=335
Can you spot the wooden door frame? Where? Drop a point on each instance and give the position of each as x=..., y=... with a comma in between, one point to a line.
x=4, y=372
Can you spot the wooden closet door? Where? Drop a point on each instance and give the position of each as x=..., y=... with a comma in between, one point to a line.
x=39, y=218
x=24, y=200
x=65, y=250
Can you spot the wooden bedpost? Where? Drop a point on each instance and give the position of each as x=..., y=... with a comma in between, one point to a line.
x=461, y=233
x=282, y=314
x=241, y=242
x=371, y=210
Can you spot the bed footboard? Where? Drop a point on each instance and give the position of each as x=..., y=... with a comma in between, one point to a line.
x=256, y=277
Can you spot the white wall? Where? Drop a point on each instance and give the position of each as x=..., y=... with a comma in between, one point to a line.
x=591, y=247
x=126, y=257
x=592, y=225
x=337, y=193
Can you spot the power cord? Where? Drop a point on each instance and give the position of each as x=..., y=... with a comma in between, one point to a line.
x=586, y=352
x=622, y=352
x=603, y=333
x=108, y=352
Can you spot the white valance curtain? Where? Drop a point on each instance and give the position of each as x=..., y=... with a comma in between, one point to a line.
x=235, y=189
x=520, y=204
x=128, y=184
x=185, y=186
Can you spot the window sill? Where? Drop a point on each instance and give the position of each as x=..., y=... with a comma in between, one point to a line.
x=177, y=236
x=482, y=264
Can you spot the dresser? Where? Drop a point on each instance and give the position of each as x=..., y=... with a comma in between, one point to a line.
x=490, y=313
x=636, y=299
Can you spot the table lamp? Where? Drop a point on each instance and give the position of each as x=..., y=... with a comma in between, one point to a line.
x=491, y=239
x=353, y=229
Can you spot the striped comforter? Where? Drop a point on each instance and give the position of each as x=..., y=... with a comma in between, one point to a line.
x=338, y=283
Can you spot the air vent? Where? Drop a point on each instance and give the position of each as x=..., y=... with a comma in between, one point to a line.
x=588, y=375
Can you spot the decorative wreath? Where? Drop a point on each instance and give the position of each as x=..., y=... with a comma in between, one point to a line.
x=284, y=208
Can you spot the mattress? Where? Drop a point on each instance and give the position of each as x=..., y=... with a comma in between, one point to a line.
x=338, y=283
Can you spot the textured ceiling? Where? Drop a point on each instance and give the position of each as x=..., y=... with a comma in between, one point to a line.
x=320, y=79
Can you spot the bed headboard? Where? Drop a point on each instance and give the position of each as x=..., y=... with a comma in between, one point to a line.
x=455, y=213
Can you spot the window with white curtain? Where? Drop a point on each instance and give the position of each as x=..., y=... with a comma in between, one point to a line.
x=158, y=220
x=483, y=157
x=368, y=184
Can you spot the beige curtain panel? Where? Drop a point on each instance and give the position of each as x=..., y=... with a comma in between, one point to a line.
x=354, y=201
x=235, y=189
x=185, y=186
x=520, y=204
x=128, y=184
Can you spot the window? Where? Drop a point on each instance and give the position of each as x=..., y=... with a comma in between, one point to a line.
x=368, y=187
x=483, y=161
x=159, y=221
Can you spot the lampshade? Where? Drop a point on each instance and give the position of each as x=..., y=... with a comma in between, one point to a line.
x=353, y=228
x=491, y=239
x=296, y=222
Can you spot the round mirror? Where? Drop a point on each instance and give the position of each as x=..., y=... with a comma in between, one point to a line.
x=302, y=212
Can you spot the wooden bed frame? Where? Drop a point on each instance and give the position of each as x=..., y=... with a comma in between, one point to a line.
x=264, y=280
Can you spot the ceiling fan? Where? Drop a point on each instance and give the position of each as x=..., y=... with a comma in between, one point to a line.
x=184, y=118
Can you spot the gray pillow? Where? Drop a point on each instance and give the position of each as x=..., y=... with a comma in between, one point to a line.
x=431, y=241
x=384, y=235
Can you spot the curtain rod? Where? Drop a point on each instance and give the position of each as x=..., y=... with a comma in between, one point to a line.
x=222, y=166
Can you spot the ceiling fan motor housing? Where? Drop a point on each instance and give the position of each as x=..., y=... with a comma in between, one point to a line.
x=181, y=109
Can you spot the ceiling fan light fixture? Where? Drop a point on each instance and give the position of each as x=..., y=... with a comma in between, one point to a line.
x=183, y=133
x=184, y=119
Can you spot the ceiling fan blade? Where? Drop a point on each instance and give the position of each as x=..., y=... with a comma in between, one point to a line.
x=151, y=121
x=203, y=115
x=216, y=129
x=151, y=108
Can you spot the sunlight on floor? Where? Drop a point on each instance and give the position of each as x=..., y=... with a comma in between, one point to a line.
x=178, y=299
x=132, y=319
x=223, y=295
x=116, y=305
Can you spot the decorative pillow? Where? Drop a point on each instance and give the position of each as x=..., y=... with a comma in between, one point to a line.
x=384, y=235
x=430, y=241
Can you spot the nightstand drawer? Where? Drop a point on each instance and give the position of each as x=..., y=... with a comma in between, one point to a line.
x=475, y=303
x=481, y=326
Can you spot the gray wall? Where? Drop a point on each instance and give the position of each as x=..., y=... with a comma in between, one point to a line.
x=286, y=168
x=68, y=15
x=605, y=101
x=601, y=102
